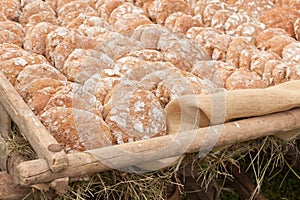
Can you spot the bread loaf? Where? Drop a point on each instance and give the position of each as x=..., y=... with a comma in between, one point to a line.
x=76, y=130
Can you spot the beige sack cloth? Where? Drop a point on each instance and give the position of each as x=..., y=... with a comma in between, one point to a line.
x=196, y=111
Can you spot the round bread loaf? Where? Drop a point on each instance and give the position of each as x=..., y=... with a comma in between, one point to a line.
x=35, y=39
x=244, y=79
x=12, y=67
x=34, y=72
x=290, y=53
x=101, y=84
x=219, y=19
x=40, y=91
x=76, y=130
x=259, y=59
x=134, y=114
x=281, y=17
x=32, y=8
x=181, y=52
x=159, y=10
x=236, y=46
x=148, y=35
x=10, y=8
x=83, y=63
x=179, y=22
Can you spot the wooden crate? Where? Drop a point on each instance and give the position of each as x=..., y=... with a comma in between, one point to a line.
x=55, y=166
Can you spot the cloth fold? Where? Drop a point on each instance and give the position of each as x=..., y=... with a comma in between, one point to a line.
x=196, y=111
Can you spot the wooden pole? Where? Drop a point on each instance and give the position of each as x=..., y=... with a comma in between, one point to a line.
x=103, y=159
x=30, y=126
x=5, y=124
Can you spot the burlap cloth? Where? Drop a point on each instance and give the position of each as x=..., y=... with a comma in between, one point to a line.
x=196, y=111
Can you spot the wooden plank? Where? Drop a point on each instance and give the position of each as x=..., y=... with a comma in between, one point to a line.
x=5, y=123
x=10, y=191
x=30, y=126
x=103, y=159
x=3, y=154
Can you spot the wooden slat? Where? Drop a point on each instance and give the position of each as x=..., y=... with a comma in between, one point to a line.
x=99, y=160
x=5, y=124
x=30, y=126
x=3, y=154
x=10, y=191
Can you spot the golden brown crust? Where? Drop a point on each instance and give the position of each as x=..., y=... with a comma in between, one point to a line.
x=14, y=27
x=81, y=64
x=277, y=43
x=35, y=72
x=279, y=73
x=179, y=22
x=32, y=8
x=148, y=35
x=129, y=22
x=255, y=8
x=250, y=30
x=244, y=79
x=259, y=59
x=204, y=36
x=264, y=36
x=35, y=39
x=159, y=10
x=181, y=52
x=54, y=38
x=293, y=72
x=70, y=42
x=236, y=46
x=220, y=45
x=135, y=56
x=215, y=71
x=76, y=130
x=106, y=7
x=234, y=21
x=7, y=36
x=288, y=4
x=38, y=99
x=101, y=84
x=245, y=57
x=90, y=19
x=115, y=45
x=267, y=75
x=9, y=50
x=73, y=6
x=12, y=67
x=219, y=18
x=290, y=53
x=10, y=8
x=137, y=115
x=147, y=55
x=177, y=83
x=211, y=8
x=280, y=17
x=43, y=16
